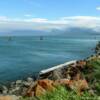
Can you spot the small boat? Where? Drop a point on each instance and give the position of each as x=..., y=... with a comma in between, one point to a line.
x=9, y=38
x=41, y=37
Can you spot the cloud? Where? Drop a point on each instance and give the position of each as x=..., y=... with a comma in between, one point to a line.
x=39, y=20
x=62, y=23
x=83, y=22
x=3, y=18
x=98, y=8
x=27, y=15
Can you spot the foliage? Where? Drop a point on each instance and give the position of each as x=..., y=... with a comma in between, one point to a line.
x=62, y=93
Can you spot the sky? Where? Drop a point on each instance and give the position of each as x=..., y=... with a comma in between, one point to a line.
x=49, y=14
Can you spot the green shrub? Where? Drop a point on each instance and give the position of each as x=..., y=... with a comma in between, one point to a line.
x=62, y=94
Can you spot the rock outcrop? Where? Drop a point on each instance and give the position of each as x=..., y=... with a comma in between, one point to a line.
x=40, y=87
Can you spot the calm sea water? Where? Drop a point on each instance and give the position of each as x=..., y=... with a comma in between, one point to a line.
x=23, y=56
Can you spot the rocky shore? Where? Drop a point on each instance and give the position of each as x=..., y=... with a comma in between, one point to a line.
x=76, y=76
x=97, y=49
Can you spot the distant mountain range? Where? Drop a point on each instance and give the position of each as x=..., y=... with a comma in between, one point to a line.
x=73, y=31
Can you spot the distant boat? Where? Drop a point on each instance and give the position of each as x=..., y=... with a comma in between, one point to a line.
x=41, y=37
x=9, y=38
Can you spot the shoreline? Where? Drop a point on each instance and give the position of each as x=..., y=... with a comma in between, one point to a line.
x=40, y=75
x=22, y=65
x=36, y=74
x=69, y=73
x=19, y=88
x=44, y=71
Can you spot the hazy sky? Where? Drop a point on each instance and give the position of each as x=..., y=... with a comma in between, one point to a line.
x=49, y=14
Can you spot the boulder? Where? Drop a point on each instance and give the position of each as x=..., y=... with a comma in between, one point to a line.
x=29, y=79
x=18, y=82
x=79, y=86
x=64, y=82
x=57, y=74
x=39, y=90
x=24, y=91
x=15, y=90
x=26, y=84
x=46, y=84
x=40, y=87
x=31, y=89
x=12, y=84
x=3, y=89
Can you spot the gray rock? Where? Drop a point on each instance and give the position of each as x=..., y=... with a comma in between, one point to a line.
x=5, y=90
x=18, y=82
x=24, y=91
x=29, y=79
x=13, y=84
x=57, y=74
x=27, y=84
x=14, y=90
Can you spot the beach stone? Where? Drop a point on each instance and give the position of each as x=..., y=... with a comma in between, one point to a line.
x=12, y=84
x=18, y=82
x=26, y=84
x=5, y=90
x=24, y=91
x=14, y=90
x=29, y=79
